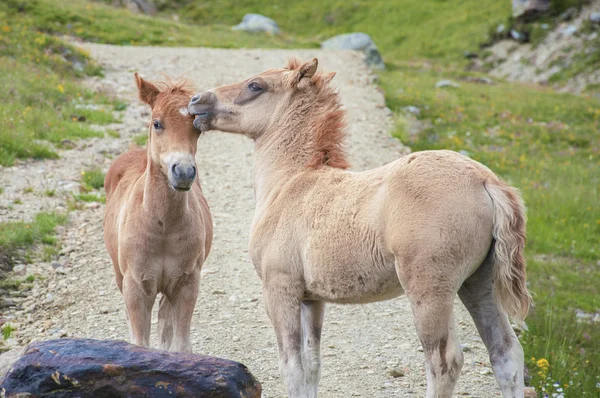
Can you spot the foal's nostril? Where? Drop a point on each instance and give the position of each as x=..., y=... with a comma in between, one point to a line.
x=191, y=174
x=174, y=170
x=195, y=99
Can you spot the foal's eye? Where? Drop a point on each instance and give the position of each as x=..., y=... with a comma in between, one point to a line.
x=157, y=126
x=255, y=87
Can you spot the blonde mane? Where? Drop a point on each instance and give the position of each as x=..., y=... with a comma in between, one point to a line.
x=329, y=124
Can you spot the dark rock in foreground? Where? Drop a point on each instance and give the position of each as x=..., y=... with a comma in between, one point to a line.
x=108, y=368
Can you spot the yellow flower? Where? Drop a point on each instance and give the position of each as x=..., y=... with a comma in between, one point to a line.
x=61, y=88
x=543, y=363
x=6, y=28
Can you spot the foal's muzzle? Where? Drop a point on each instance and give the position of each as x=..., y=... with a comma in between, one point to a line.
x=182, y=176
x=201, y=106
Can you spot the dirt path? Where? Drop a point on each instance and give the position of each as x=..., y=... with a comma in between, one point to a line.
x=361, y=344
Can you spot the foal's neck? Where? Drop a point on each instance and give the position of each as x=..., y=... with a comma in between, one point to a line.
x=159, y=198
x=283, y=151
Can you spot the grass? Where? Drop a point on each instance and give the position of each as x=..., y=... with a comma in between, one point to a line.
x=42, y=99
x=140, y=139
x=88, y=197
x=98, y=22
x=20, y=236
x=93, y=178
x=113, y=134
x=539, y=141
x=7, y=331
x=430, y=28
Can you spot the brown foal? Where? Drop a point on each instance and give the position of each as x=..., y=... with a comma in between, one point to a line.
x=157, y=226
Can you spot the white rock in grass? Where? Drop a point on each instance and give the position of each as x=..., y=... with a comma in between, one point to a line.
x=358, y=42
x=257, y=23
x=447, y=83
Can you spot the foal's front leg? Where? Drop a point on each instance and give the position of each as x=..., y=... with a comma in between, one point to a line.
x=139, y=298
x=284, y=311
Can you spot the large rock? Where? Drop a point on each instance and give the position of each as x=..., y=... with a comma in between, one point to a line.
x=358, y=42
x=8, y=358
x=529, y=8
x=257, y=23
x=107, y=368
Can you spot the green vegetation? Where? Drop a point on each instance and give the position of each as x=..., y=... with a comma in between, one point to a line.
x=7, y=331
x=19, y=236
x=113, y=134
x=101, y=23
x=140, y=139
x=42, y=100
x=89, y=197
x=542, y=142
x=93, y=178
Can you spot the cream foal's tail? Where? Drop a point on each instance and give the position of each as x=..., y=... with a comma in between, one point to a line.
x=510, y=276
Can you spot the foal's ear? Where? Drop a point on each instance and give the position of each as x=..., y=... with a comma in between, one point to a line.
x=147, y=91
x=306, y=71
x=328, y=77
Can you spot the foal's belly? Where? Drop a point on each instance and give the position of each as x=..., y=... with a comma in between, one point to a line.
x=353, y=285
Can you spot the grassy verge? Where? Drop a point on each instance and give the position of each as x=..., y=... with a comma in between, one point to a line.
x=546, y=144
x=42, y=101
x=17, y=238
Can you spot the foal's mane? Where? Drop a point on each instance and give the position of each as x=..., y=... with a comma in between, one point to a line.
x=329, y=124
x=179, y=88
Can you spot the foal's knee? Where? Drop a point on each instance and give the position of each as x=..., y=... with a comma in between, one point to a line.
x=445, y=357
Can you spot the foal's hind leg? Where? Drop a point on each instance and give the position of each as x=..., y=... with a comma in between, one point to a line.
x=434, y=321
x=312, y=324
x=506, y=353
x=183, y=298
x=431, y=292
x=165, y=323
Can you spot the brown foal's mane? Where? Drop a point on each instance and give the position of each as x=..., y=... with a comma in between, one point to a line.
x=329, y=124
x=174, y=93
x=174, y=87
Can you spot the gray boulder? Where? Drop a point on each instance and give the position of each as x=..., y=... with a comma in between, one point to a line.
x=257, y=23
x=358, y=42
x=529, y=8
x=447, y=83
x=595, y=17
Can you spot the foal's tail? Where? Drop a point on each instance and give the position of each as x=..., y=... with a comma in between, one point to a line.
x=510, y=276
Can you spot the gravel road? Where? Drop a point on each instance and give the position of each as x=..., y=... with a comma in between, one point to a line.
x=364, y=347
